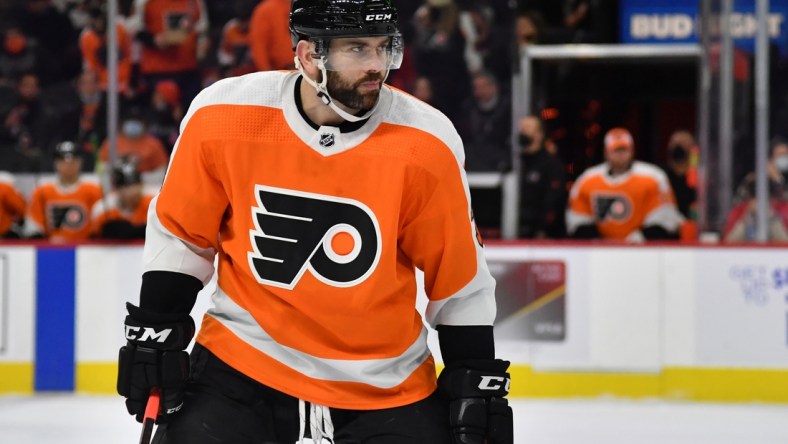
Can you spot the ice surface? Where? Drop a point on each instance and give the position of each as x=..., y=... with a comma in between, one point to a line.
x=79, y=419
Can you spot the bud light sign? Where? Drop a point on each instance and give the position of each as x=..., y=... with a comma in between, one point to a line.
x=647, y=21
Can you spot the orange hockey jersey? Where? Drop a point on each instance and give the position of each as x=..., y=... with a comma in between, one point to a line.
x=62, y=213
x=158, y=16
x=94, y=48
x=318, y=235
x=12, y=203
x=110, y=210
x=620, y=206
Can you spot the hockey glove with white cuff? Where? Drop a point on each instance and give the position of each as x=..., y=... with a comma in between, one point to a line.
x=478, y=411
x=154, y=356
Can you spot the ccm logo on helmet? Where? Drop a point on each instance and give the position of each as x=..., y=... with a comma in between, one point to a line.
x=494, y=383
x=147, y=334
x=378, y=17
x=336, y=239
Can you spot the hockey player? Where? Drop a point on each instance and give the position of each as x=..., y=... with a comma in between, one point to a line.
x=321, y=191
x=622, y=199
x=60, y=208
x=123, y=214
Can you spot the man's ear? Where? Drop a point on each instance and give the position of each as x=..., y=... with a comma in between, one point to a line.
x=304, y=51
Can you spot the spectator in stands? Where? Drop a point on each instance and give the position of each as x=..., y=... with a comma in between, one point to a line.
x=486, y=126
x=542, y=184
x=136, y=141
x=56, y=37
x=622, y=198
x=681, y=172
x=577, y=19
x=486, y=130
x=233, y=55
x=122, y=215
x=490, y=48
x=19, y=55
x=740, y=225
x=528, y=28
x=24, y=127
x=93, y=44
x=84, y=116
x=777, y=170
x=438, y=54
x=422, y=90
x=60, y=209
x=270, y=36
x=174, y=39
x=165, y=113
x=12, y=207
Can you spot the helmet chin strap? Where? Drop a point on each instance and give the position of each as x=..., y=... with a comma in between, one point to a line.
x=322, y=92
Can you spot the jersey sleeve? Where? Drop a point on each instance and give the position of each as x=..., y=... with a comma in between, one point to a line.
x=13, y=203
x=184, y=219
x=36, y=217
x=661, y=207
x=441, y=239
x=579, y=211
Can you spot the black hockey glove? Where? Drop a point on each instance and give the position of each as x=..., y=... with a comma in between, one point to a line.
x=154, y=356
x=478, y=411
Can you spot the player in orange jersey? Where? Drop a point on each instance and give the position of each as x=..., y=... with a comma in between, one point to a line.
x=123, y=214
x=622, y=199
x=319, y=193
x=60, y=209
x=12, y=206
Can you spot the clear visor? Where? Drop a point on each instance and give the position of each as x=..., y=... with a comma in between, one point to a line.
x=361, y=53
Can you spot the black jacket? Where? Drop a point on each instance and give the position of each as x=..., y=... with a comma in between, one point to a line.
x=542, y=195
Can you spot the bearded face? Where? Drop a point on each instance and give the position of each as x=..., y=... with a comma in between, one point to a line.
x=361, y=94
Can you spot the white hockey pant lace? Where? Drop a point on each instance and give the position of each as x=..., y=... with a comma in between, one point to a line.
x=320, y=424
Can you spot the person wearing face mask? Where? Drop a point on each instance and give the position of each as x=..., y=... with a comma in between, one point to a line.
x=680, y=170
x=134, y=140
x=542, y=184
x=777, y=170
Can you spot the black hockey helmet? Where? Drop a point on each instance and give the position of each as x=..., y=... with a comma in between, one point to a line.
x=125, y=172
x=327, y=19
x=66, y=150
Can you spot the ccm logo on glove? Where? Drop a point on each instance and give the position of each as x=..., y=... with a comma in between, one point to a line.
x=132, y=334
x=493, y=383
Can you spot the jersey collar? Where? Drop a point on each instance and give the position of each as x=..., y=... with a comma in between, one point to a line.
x=329, y=140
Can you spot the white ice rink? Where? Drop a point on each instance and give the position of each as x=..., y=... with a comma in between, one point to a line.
x=70, y=419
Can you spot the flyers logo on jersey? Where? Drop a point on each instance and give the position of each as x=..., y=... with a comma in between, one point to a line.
x=336, y=239
x=67, y=216
x=612, y=206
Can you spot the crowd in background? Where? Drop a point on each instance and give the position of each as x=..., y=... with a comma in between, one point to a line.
x=460, y=57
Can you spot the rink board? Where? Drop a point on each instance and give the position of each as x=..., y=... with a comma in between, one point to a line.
x=689, y=322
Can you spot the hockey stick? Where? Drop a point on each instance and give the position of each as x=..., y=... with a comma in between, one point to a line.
x=151, y=412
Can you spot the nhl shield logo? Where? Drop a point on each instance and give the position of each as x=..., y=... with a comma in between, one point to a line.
x=327, y=140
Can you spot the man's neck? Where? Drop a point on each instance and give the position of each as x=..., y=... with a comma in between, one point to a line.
x=619, y=170
x=317, y=111
x=67, y=182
